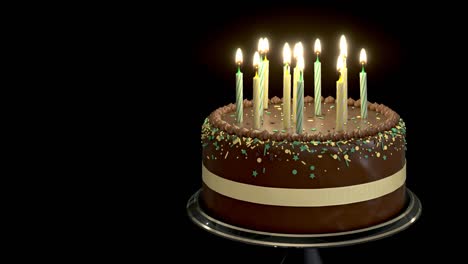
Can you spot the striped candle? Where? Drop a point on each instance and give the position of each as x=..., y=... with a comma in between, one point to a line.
x=286, y=87
x=318, y=80
x=261, y=72
x=239, y=88
x=344, y=75
x=239, y=97
x=257, y=100
x=363, y=84
x=340, y=103
x=300, y=96
x=294, y=101
x=266, y=68
x=298, y=52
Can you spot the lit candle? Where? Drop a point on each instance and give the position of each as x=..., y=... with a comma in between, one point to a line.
x=266, y=68
x=339, y=97
x=298, y=52
x=286, y=87
x=318, y=79
x=261, y=71
x=344, y=75
x=300, y=95
x=257, y=106
x=239, y=88
x=363, y=84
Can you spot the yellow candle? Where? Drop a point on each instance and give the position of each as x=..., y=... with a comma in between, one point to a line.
x=257, y=107
x=266, y=69
x=298, y=52
x=340, y=103
x=286, y=87
x=344, y=75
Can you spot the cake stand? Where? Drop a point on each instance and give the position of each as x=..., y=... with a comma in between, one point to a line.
x=309, y=242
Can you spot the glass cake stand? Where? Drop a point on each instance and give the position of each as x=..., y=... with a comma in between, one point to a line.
x=309, y=242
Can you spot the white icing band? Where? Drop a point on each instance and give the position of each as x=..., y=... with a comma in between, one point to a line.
x=304, y=197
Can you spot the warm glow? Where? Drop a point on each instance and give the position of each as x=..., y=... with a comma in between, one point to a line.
x=300, y=63
x=260, y=45
x=286, y=54
x=317, y=46
x=363, y=56
x=239, y=56
x=339, y=63
x=256, y=59
x=343, y=46
x=298, y=50
x=266, y=45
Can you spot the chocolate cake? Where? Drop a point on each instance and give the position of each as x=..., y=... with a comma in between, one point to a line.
x=318, y=181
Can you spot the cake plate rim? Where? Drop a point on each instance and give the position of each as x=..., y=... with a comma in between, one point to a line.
x=393, y=226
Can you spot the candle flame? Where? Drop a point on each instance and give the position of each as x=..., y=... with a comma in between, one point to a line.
x=300, y=63
x=363, y=56
x=317, y=46
x=266, y=45
x=343, y=46
x=260, y=45
x=239, y=56
x=298, y=50
x=256, y=59
x=339, y=63
x=286, y=54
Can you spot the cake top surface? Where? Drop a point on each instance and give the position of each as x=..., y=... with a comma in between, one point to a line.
x=315, y=128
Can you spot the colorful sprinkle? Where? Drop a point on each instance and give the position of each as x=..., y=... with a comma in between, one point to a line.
x=294, y=172
x=384, y=157
x=312, y=167
x=259, y=160
x=254, y=173
x=312, y=176
x=295, y=158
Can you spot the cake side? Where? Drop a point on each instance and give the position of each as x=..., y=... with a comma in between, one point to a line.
x=368, y=155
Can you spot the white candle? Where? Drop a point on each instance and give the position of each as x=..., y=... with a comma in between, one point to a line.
x=344, y=75
x=363, y=84
x=339, y=98
x=317, y=79
x=286, y=87
x=298, y=52
x=257, y=107
x=266, y=68
x=300, y=96
x=239, y=88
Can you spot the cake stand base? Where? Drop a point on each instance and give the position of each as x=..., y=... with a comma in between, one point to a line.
x=309, y=242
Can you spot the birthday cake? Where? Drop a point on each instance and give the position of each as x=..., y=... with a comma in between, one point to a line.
x=318, y=181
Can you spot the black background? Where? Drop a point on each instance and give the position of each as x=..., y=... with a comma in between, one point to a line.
x=410, y=54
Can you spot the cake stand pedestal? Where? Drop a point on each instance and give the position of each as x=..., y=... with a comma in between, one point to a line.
x=308, y=242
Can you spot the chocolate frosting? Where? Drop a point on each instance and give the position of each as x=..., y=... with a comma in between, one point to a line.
x=388, y=119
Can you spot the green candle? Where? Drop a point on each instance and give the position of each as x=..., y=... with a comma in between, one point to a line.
x=300, y=96
x=363, y=84
x=317, y=79
x=298, y=52
x=239, y=88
